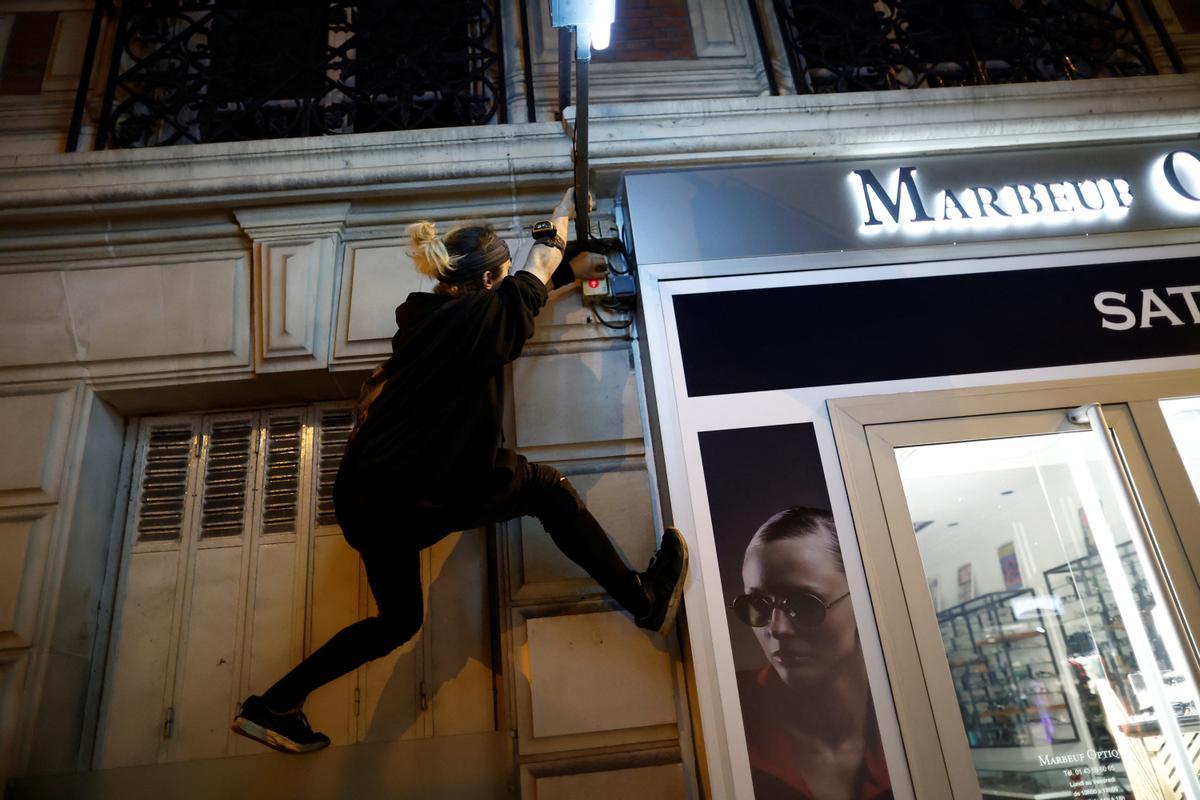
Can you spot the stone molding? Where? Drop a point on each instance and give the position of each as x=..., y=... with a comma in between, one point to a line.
x=487, y=161
x=278, y=170
x=804, y=127
x=296, y=254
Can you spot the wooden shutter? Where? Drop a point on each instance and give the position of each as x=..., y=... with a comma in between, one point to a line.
x=281, y=480
x=335, y=424
x=208, y=657
x=336, y=588
x=278, y=564
x=144, y=626
x=226, y=474
x=162, y=503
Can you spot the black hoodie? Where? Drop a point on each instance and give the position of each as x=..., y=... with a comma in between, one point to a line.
x=433, y=432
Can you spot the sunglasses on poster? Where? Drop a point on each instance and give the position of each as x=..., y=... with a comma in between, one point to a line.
x=802, y=608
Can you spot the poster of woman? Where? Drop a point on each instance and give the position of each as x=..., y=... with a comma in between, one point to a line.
x=810, y=725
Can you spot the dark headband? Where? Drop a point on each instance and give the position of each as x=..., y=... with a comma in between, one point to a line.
x=473, y=264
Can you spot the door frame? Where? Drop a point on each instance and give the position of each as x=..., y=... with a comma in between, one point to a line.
x=940, y=765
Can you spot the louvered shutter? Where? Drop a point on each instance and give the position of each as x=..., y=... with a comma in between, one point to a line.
x=142, y=642
x=162, y=503
x=206, y=671
x=227, y=472
x=281, y=482
x=335, y=424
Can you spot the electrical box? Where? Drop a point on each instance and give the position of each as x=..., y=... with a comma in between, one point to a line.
x=594, y=290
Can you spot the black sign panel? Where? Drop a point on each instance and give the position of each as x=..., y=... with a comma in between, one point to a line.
x=797, y=336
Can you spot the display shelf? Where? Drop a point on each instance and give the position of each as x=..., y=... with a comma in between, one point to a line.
x=1008, y=684
x=1091, y=620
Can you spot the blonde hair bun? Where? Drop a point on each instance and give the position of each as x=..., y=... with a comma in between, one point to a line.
x=428, y=250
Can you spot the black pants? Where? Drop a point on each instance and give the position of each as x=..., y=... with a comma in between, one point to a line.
x=390, y=537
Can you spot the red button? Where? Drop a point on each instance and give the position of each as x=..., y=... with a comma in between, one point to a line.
x=593, y=284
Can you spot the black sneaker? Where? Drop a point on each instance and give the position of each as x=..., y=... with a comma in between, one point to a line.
x=288, y=732
x=663, y=582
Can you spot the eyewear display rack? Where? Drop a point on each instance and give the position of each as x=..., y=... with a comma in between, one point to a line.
x=1091, y=622
x=1009, y=688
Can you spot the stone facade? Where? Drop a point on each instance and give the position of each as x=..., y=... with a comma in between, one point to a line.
x=220, y=277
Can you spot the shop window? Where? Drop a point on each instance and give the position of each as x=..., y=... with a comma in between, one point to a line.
x=1058, y=652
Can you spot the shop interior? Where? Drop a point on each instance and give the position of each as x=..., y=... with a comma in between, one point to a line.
x=1032, y=579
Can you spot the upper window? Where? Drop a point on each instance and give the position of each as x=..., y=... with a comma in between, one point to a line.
x=230, y=70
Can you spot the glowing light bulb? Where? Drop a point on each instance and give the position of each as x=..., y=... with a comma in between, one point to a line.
x=601, y=34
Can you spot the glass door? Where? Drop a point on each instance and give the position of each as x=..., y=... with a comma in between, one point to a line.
x=1036, y=557
x=1183, y=420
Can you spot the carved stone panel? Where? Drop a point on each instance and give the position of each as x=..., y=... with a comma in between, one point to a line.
x=620, y=500
x=596, y=673
x=179, y=309
x=293, y=302
x=576, y=398
x=183, y=316
x=24, y=538
x=376, y=277
x=33, y=430
x=296, y=252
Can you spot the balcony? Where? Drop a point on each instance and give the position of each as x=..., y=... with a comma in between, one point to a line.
x=863, y=45
x=235, y=70
x=194, y=71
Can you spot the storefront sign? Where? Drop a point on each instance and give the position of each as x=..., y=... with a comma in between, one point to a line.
x=902, y=201
x=1050, y=201
x=875, y=330
x=954, y=198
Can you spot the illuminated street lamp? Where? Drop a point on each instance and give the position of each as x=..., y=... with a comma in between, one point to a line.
x=592, y=22
x=591, y=19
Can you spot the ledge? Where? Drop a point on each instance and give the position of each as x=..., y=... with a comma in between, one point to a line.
x=279, y=169
x=489, y=162
x=803, y=127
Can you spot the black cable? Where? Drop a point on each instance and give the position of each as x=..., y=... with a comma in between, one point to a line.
x=616, y=327
x=627, y=271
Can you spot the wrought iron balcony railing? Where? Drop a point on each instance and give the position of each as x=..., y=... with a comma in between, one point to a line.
x=189, y=71
x=861, y=45
x=184, y=71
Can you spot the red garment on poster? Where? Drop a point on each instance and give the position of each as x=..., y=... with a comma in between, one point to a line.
x=773, y=756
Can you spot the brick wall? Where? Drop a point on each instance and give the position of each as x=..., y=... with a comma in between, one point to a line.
x=650, y=30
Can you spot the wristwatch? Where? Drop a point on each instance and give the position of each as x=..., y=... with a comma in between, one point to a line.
x=545, y=233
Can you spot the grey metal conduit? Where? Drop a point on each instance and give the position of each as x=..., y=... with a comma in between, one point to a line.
x=582, y=188
x=564, y=70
